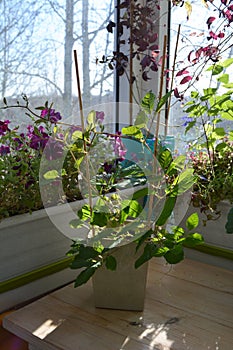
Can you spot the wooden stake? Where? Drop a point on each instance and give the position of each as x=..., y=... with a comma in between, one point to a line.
x=83, y=129
x=172, y=79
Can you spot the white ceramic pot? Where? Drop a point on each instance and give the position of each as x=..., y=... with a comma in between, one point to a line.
x=123, y=288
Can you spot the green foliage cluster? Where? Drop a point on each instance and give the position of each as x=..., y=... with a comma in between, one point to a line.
x=211, y=155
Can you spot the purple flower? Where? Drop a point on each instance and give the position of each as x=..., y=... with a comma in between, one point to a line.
x=51, y=115
x=100, y=116
x=187, y=120
x=37, y=137
x=4, y=127
x=4, y=150
x=119, y=148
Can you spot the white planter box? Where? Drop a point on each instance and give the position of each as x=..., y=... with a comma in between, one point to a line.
x=31, y=241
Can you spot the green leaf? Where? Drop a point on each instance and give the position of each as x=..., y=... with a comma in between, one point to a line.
x=147, y=254
x=131, y=207
x=227, y=62
x=193, y=239
x=224, y=78
x=194, y=94
x=132, y=131
x=99, y=219
x=216, y=69
x=91, y=117
x=141, y=120
x=192, y=221
x=76, y=223
x=177, y=164
x=182, y=183
x=111, y=263
x=77, y=135
x=162, y=101
x=190, y=126
x=229, y=224
x=227, y=115
x=86, y=274
x=175, y=255
x=167, y=210
x=51, y=175
x=85, y=212
x=148, y=102
x=165, y=158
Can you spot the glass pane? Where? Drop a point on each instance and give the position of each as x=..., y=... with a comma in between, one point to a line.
x=205, y=38
x=36, y=52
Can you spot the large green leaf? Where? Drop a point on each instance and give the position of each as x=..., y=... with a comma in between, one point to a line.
x=167, y=210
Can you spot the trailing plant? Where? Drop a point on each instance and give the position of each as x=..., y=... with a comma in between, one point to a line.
x=210, y=115
x=21, y=153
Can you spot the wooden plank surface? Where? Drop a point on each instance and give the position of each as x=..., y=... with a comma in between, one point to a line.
x=188, y=306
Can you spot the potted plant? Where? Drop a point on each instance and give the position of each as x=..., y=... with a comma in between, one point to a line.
x=117, y=220
x=208, y=121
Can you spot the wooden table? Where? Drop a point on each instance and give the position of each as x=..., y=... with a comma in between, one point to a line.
x=188, y=307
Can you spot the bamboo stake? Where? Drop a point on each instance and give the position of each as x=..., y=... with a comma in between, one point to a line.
x=83, y=129
x=160, y=95
x=172, y=79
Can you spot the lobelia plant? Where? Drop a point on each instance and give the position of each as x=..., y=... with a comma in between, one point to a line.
x=209, y=116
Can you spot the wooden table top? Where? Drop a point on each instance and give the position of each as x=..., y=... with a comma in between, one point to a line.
x=188, y=306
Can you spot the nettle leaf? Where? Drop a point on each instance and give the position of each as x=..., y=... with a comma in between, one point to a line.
x=229, y=224
x=162, y=101
x=193, y=239
x=192, y=221
x=51, y=175
x=111, y=263
x=132, y=131
x=216, y=69
x=148, y=102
